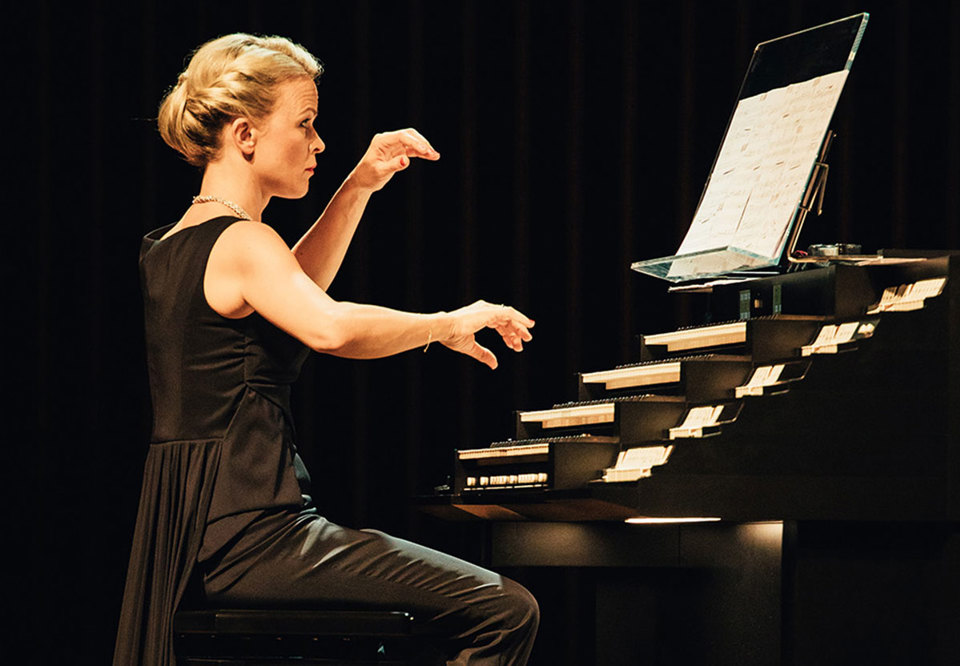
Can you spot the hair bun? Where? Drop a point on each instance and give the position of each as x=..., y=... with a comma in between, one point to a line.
x=231, y=76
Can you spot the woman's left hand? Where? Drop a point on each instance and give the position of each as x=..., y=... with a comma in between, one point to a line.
x=512, y=325
x=388, y=153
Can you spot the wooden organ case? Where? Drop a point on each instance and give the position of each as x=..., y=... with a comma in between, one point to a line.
x=793, y=465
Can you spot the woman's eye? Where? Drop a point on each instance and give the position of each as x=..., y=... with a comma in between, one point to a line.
x=306, y=123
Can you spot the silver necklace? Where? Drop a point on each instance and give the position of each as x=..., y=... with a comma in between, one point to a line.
x=204, y=198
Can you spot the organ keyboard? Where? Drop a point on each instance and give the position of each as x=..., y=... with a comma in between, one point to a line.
x=778, y=415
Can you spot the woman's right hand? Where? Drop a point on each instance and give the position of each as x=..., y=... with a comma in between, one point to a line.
x=513, y=327
x=388, y=153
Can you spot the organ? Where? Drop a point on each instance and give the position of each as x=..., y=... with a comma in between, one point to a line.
x=798, y=450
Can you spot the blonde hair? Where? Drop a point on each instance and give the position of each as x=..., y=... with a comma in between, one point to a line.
x=231, y=76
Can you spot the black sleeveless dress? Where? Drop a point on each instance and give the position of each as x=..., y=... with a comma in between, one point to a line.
x=225, y=501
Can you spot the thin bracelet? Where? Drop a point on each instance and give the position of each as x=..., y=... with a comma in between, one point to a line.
x=429, y=340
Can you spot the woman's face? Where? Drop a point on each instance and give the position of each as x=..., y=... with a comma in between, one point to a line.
x=285, y=152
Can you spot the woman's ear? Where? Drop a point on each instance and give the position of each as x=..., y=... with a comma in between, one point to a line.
x=242, y=133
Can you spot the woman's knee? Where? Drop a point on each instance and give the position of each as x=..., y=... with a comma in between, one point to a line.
x=523, y=609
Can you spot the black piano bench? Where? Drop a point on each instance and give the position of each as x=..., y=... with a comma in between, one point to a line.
x=222, y=637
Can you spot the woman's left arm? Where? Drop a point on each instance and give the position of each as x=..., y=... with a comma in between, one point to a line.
x=321, y=250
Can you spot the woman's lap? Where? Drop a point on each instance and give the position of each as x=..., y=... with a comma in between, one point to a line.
x=312, y=562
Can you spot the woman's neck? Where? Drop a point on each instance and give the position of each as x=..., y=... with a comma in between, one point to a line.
x=223, y=180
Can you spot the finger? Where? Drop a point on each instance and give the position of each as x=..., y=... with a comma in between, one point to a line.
x=516, y=314
x=416, y=146
x=398, y=163
x=513, y=328
x=513, y=340
x=521, y=332
x=482, y=354
x=512, y=337
x=420, y=139
x=507, y=313
x=414, y=133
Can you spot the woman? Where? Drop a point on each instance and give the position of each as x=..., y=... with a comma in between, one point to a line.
x=231, y=312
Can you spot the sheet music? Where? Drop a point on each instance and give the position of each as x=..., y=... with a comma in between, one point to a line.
x=766, y=158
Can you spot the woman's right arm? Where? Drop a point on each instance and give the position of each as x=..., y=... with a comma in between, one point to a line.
x=252, y=269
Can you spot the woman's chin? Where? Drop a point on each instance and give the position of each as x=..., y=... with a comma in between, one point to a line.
x=294, y=194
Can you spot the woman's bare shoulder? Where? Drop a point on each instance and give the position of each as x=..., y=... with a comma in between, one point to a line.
x=246, y=231
x=246, y=253
x=246, y=242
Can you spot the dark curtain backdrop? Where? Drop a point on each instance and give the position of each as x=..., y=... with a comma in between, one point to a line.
x=575, y=138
